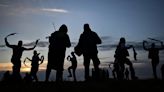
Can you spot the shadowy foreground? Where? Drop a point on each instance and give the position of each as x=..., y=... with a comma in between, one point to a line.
x=92, y=86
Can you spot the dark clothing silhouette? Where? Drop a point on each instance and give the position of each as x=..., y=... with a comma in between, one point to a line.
x=58, y=40
x=73, y=61
x=115, y=71
x=88, y=44
x=6, y=77
x=126, y=74
x=153, y=55
x=17, y=54
x=27, y=78
x=121, y=55
x=35, y=65
x=162, y=71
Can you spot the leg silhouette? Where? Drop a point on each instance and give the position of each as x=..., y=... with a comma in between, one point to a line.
x=59, y=74
x=69, y=70
x=154, y=66
x=74, y=74
x=48, y=71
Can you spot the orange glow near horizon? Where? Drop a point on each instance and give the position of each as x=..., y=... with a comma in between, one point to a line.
x=8, y=67
x=5, y=67
x=42, y=67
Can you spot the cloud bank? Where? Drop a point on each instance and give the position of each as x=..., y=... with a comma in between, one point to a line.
x=14, y=8
x=54, y=10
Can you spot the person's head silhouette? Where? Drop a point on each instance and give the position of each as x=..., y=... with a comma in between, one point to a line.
x=122, y=40
x=153, y=45
x=63, y=28
x=72, y=53
x=86, y=27
x=20, y=43
x=35, y=52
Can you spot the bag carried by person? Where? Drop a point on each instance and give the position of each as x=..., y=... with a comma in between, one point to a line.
x=78, y=50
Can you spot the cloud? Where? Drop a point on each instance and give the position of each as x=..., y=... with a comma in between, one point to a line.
x=12, y=8
x=109, y=46
x=4, y=5
x=109, y=43
x=44, y=44
x=40, y=44
x=54, y=10
x=105, y=37
x=105, y=47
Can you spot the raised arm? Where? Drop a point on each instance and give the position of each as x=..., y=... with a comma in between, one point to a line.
x=7, y=43
x=28, y=59
x=32, y=47
x=144, y=45
x=135, y=53
x=130, y=46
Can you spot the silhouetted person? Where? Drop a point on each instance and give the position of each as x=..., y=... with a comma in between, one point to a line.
x=73, y=60
x=27, y=78
x=153, y=55
x=162, y=71
x=121, y=55
x=16, y=56
x=35, y=64
x=6, y=76
x=58, y=40
x=116, y=70
x=126, y=74
x=104, y=75
x=88, y=44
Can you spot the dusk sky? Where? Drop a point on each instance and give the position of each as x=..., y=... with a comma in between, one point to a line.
x=32, y=19
x=136, y=20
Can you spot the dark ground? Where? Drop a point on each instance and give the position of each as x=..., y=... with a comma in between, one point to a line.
x=90, y=86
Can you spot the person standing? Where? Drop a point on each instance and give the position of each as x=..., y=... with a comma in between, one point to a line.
x=153, y=55
x=121, y=58
x=59, y=41
x=87, y=44
x=73, y=67
x=35, y=64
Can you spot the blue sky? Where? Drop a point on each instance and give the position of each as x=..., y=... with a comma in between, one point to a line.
x=133, y=19
x=136, y=20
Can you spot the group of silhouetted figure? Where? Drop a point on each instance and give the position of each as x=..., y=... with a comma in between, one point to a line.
x=86, y=46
